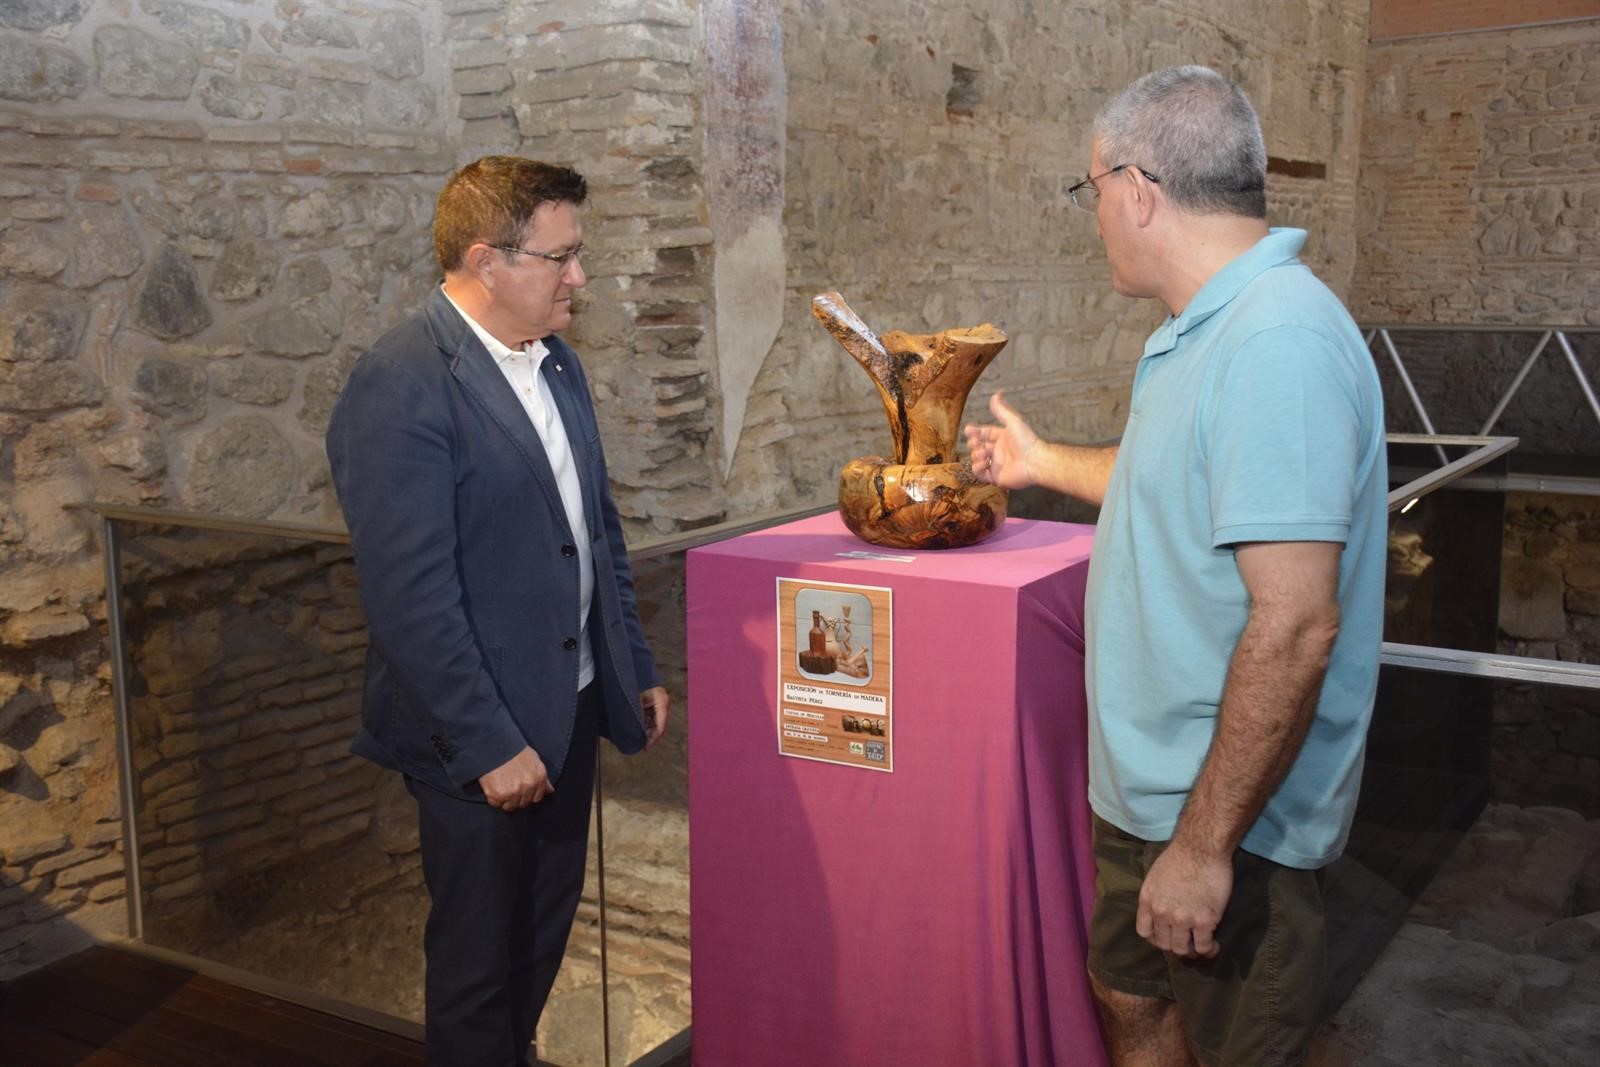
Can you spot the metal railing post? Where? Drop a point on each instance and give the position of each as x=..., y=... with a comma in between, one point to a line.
x=1411, y=391
x=1516, y=383
x=124, y=721
x=1577, y=372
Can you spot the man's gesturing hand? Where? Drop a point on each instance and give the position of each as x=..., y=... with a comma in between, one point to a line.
x=1000, y=453
x=654, y=702
x=518, y=783
x=1182, y=901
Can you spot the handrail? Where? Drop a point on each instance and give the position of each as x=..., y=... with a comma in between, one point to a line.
x=647, y=549
x=1476, y=327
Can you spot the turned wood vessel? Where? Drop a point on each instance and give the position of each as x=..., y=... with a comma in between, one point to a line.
x=921, y=496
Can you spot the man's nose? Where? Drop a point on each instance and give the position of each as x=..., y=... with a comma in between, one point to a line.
x=575, y=275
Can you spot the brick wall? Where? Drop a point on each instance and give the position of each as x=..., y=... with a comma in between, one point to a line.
x=1480, y=179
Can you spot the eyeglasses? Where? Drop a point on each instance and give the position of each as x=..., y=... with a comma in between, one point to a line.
x=1091, y=191
x=562, y=260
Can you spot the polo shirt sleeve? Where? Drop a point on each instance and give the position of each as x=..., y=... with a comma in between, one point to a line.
x=1282, y=437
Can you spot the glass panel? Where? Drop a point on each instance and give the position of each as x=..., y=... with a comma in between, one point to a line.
x=265, y=845
x=646, y=811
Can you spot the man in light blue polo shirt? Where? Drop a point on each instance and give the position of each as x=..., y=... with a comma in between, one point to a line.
x=1235, y=601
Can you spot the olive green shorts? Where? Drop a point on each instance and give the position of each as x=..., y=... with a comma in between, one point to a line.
x=1259, y=1002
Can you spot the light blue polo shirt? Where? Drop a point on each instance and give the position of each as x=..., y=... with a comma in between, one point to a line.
x=1256, y=416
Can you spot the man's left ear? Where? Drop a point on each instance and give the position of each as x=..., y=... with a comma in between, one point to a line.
x=481, y=262
x=1145, y=192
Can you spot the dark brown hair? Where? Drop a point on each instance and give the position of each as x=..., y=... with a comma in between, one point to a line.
x=493, y=199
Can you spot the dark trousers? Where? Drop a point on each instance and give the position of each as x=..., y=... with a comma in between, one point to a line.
x=504, y=889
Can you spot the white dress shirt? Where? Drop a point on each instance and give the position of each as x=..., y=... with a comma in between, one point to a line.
x=521, y=370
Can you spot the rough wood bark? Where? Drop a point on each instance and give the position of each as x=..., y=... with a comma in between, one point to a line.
x=921, y=497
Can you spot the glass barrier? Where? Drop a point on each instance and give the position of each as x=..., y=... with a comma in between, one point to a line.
x=262, y=844
x=259, y=844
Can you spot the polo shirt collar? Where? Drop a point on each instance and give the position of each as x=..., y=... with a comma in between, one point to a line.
x=1281, y=245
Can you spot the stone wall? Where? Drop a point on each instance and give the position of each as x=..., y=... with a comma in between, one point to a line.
x=929, y=148
x=1480, y=179
x=245, y=670
x=1547, y=738
x=207, y=211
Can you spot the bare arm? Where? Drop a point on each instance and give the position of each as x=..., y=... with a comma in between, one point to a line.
x=1013, y=456
x=1267, y=706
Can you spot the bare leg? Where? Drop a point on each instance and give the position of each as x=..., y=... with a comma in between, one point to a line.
x=1142, y=1031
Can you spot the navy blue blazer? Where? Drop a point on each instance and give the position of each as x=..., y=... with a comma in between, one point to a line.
x=468, y=568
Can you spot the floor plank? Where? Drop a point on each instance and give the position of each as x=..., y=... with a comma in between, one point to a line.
x=109, y=1007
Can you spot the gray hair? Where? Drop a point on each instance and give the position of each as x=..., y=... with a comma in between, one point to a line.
x=1197, y=133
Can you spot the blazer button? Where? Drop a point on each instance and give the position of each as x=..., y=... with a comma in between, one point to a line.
x=570, y=643
x=569, y=550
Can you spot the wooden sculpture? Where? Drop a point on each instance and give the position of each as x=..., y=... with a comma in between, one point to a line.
x=923, y=497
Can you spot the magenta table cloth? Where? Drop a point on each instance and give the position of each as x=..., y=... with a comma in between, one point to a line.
x=935, y=915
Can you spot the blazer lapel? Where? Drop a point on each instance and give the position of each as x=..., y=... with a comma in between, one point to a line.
x=475, y=370
x=562, y=380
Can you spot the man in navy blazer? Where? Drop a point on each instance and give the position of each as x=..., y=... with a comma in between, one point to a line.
x=504, y=633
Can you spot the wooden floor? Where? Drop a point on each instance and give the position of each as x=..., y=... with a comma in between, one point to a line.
x=111, y=1007
x=108, y=1007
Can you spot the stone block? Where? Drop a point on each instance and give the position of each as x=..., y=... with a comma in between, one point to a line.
x=200, y=26
x=172, y=797
x=253, y=381
x=242, y=467
x=186, y=887
x=295, y=332
x=325, y=813
x=37, y=626
x=495, y=106
x=405, y=106
x=464, y=55
x=230, y=98
x=269, y=768
x=105, y=245
x=316, y=30
x=1531, y=594
x=41, y=14
x=31, y=251
x=89, y=873
x=271, y=70
x=487, y=23
x=245, y=271
x=581, y=47
x=480, y=80
x=171, y=389
x=332, y=752
x=395, y=45
x=206, y=828
x=38, y=73
x=328, y=103
x=311, y=215
x=53, y=531
x=130, y=62
x=169, y=304
x=340, y=830
x=38, y=210
x=62, y=860
x=556, y=16
x=342, y=730
x=41, y=325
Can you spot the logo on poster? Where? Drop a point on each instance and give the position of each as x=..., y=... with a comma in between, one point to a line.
x=875, y=751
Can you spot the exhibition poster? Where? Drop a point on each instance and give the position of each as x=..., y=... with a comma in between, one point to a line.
x=834, y=673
